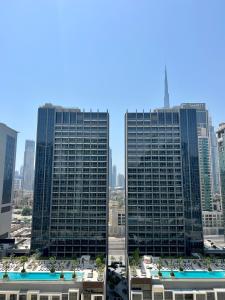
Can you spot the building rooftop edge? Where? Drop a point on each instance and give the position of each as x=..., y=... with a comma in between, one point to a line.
x=75, y=109
x=6, y=126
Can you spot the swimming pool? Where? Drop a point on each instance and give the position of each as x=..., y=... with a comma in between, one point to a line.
x=41, y=276
x=193, y=274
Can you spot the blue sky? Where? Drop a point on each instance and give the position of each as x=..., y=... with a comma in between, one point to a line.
x=108, y=54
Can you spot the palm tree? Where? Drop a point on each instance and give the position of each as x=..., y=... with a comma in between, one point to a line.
x=159, y=267
x=136, y=256
x=74, y=266
x=181, y=263
x=11, y=258
x=37, y=254
x=171, y=269
x=98, y=262
x=61, y=266
x=52, y=261
x=208, y=264
x=23, y=260
x=6, y=267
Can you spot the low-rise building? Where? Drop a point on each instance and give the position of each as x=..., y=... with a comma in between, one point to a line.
x=116, y=219
x=212, y=222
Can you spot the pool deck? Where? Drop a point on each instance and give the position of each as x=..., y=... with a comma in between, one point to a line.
x=89, y=271
x=148, y=268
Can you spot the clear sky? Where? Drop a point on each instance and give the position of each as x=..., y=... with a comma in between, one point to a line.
x=108, y=54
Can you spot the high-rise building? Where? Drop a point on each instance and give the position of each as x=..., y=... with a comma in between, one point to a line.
x=221, y=150
x=110, y=167
x=114, y=176
x=204, y=148
x=214, y=160
x=28, y=165
x=8, y=140
x=120, y=180
x=162, y=186
x=70, y=213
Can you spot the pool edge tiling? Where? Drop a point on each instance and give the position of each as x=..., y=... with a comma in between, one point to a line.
x=41, y=276
x=192, y=274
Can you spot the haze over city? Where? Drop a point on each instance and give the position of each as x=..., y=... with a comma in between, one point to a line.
x=108, y=55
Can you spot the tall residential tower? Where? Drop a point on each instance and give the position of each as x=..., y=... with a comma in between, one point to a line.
x=204, y=149
x=163, y=202
x=221, y=149
x=8, y=140
x=70, y=214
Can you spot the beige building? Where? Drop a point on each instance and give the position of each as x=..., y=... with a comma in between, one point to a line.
x=116, y=219
x=212, y=222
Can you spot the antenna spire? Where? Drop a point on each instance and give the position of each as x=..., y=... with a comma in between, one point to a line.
x=166, y=92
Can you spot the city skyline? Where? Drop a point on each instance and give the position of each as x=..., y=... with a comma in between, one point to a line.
x=124, y=68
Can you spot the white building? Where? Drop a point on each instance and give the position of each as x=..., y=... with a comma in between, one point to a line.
x=8, y=139
x=28, y=165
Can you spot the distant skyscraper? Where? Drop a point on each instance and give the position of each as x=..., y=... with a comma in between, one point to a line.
x=110, y=167
x=114, y=176
x=221, y=149
x=28, y=165
x=21, y=171
x=214, y=160
x=166, y=92
x=70, y=213
x=162, y=182
x=120, y=180
x=204, y=149
x=8, y=139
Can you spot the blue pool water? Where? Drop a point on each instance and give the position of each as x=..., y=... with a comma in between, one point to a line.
x=193, y=274
x=41, y=276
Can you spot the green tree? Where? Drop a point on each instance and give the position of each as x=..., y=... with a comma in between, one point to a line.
x=52, y=261
x=208, y=263
x=74, y=266
x=61, y=267
x=26, y=211
x=98, y=262
x=23, y=260
x=159, y=267
x=136, y=256
x=6, y=267
x=181, y=264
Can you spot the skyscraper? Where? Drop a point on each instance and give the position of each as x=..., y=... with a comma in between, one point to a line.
x=120, y=180
x=28, y=165
x=110, y=167
x=114, y=176
x=221, y=149
x=70, y=214
x=163, y=203
x=8, y=140
x=166, y=92
x=214, y=160
x=204, y=153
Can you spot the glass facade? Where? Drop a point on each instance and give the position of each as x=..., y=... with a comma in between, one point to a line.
x=221, y=149
x=191, y=181
x=156, y=194
x=43, y=179
x=78, y=193
x=204, y=152
x=8, y=169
